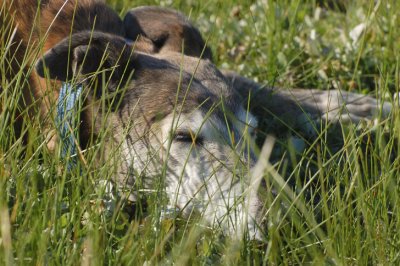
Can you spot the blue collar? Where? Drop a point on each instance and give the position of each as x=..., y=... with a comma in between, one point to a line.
x=67, y=122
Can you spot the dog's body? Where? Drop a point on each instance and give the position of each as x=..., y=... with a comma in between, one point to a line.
x=166, y=112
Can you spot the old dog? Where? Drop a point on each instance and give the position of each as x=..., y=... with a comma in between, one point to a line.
x=150, y=84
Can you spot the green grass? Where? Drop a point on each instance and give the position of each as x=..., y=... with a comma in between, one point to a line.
x=342, y=205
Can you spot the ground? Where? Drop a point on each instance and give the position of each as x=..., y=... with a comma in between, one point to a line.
x=342, y=204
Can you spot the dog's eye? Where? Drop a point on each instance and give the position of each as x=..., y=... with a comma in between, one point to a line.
x=188, y=137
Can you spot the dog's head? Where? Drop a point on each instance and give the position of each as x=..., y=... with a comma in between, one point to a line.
x=169, y=118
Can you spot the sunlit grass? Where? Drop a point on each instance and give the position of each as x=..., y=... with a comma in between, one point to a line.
x=334, y=202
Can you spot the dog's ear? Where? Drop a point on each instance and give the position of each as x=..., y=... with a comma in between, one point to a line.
x=87, y=53
x=166, y=30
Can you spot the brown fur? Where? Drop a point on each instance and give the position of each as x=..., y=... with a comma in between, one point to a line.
x=51, y=21
x=164, y=30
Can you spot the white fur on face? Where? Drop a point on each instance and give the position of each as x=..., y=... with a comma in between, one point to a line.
x=207, y=175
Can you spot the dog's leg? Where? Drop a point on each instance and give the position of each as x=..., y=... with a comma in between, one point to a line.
x=298, y=107
x=31, y=27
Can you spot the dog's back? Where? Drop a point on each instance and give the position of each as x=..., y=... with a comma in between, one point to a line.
x=57, y=19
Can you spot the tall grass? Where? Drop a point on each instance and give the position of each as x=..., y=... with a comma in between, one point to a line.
x=334, y=202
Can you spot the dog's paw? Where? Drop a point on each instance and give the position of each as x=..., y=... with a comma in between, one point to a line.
x=339, y=106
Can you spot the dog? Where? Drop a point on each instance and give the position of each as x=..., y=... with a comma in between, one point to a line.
x=150, y=91
x=172, y=31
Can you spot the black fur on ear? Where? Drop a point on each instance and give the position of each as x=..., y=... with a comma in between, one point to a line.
x=85, y=53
